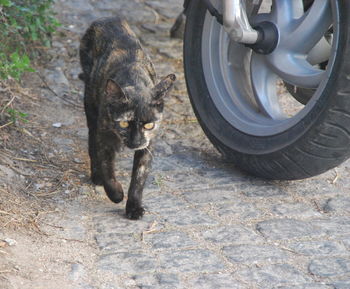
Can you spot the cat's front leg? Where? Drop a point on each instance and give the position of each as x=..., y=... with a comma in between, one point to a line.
x=140, y=171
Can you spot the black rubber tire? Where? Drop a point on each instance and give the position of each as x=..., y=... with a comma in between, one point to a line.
x=319, y=142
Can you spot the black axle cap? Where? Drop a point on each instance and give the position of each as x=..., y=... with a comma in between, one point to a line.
x=267, y=38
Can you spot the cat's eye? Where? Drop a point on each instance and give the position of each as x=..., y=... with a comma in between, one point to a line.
x=149, y=125
x=123, y=124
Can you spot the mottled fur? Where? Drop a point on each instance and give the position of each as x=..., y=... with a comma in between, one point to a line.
x=120, y=87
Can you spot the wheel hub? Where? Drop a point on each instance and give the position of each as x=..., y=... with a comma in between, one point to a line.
x=267, y=38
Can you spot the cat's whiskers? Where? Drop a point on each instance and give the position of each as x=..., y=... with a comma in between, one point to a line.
x=149, y=152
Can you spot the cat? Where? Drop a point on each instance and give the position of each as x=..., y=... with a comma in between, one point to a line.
x=123, y=106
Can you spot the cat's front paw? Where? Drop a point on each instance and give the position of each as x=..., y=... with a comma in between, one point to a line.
x=114, y=191
x=134, y=213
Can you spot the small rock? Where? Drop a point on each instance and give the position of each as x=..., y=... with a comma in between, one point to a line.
x=57, y=124
x=38, y=186
x=77, y=272
x=99, y=190
x=56, y=76
x=10, y=242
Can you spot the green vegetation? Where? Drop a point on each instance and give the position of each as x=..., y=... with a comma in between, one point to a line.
x=25, y=26
x=16, y=115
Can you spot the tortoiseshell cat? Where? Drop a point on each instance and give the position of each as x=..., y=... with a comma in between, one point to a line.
x=123, y=106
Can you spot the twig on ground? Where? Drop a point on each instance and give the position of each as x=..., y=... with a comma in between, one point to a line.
x=6, y=124
x=151, y=229
x=6, y=213
x=25, y=160
x=4, y=191
x=47, y=194
x=336, y=177
x=19, y=172
x=8, y=104
x=53, y=226
x=6, y=271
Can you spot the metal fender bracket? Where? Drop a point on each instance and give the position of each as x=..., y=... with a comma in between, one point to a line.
x=235, y=20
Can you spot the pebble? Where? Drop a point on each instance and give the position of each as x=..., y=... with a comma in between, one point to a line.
x=10, y=242
x=57, y=124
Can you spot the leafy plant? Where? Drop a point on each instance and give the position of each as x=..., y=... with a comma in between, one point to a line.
x=17, y=116
x=25, y=26
x=14, y=65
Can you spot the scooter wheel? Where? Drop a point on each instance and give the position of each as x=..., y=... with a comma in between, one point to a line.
x=239, y=96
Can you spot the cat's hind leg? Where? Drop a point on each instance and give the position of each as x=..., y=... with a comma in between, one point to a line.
x=85, y=54
x=140, y=171
x=106, y=155
x=91, y=118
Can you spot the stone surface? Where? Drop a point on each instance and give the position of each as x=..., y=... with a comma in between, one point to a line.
x=315, y=248
x=338, y=205
x=237, y=210
x=287, y=229
x=273, y=275
x=127, y=263
x=117, y=242
x=77, y=272
x=168, y=9
x=217, y=281
x=296, y=210
x=190, y=261
x=334, y=226
x=330, y=267
x=158, y=281
x=342, y=284
x=306, y=286
x=265, y=191
x=188, y=217
x=169, y=240
x=235, y=234
x=251, y=254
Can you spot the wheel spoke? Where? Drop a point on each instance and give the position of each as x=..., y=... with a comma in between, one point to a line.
x=311, y=27
x=264, y=87
x=320, y=53
x=285, y=11
x=295, y=70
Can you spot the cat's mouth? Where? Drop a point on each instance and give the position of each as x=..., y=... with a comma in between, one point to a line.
x=139, y=147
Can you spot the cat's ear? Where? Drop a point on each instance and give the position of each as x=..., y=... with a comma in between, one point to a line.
x=114, y=90
x=162, y=88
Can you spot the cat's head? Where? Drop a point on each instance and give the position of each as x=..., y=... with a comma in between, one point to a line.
x=137, y=114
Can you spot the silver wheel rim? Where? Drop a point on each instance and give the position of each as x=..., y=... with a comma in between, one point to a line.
x=244, y=85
